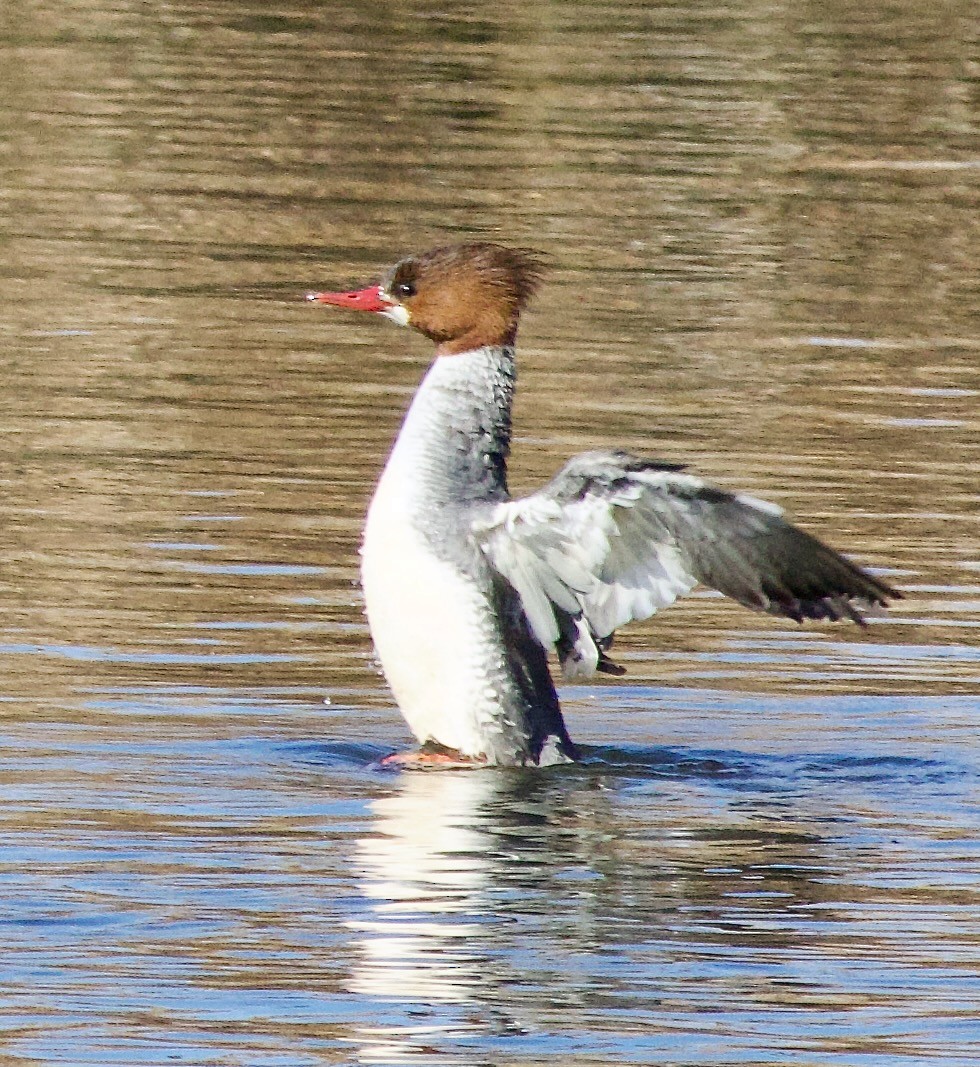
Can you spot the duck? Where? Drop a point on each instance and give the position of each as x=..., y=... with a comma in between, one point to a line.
x=470, y=594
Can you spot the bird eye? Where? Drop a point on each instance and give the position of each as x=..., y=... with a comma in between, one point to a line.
x=405, y=289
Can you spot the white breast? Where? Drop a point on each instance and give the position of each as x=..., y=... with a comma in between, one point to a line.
x=434, y=623
x=432, y=628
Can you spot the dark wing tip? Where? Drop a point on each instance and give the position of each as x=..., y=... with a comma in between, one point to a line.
x=817, y=583
x=766, y=563
x=833, y=607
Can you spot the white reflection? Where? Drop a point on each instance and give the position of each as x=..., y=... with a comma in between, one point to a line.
x=426, y=873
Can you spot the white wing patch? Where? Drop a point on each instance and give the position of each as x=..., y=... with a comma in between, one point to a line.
x=584, y=568
x=760, y=505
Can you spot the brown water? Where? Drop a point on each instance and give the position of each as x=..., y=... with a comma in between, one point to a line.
x=763, y=228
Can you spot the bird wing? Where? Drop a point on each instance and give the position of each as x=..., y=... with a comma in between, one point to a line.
x=613, y=538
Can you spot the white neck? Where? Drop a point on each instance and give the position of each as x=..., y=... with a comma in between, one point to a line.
x=454, y=442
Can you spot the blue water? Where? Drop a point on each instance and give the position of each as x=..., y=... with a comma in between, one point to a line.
x=254, y=891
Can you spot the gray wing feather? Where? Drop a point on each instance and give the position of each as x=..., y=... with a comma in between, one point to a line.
x=614, y=538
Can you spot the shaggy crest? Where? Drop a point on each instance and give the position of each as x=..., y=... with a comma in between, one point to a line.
x=468, y=295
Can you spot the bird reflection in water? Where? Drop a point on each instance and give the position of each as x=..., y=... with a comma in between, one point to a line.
x=496, y=903
x=450, y=854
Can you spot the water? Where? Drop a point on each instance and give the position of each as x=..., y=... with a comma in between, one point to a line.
x=762, y=229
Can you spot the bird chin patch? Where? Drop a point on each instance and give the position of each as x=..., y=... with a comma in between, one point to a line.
x=397, y=313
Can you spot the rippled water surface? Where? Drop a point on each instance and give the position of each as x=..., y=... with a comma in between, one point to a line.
x=762, y=224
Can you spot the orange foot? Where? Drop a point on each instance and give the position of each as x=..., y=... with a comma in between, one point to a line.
x=432, y=757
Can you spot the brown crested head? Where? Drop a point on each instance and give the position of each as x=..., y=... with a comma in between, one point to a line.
x=465, y=296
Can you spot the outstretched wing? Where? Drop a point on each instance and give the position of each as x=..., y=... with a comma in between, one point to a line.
x=613, y=538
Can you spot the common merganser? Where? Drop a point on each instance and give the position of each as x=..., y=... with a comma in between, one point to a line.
x=467, y=591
